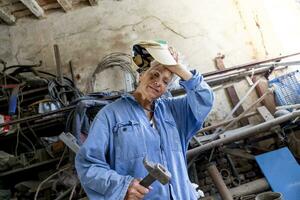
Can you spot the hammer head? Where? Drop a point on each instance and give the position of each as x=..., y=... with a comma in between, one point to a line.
x=158, y=172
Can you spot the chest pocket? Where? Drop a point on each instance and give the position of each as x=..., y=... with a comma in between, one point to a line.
x=129, y=140
x=173, y=135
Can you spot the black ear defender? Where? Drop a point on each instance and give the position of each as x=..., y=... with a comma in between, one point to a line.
x=141, y=58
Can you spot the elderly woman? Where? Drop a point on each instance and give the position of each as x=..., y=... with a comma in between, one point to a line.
x=142, y=124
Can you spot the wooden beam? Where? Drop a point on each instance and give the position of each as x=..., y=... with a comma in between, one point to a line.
x=65, y=4
x=34, y=7
x=94, y=2
x=261, y=88
x=4, y=3
x=7, y=17
x=23, y=13
x=51, y=6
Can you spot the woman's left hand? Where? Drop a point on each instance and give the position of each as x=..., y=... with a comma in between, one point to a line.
x=178, y=69
x=174, y=53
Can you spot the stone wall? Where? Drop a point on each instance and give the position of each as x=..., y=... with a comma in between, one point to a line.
x=239, y=29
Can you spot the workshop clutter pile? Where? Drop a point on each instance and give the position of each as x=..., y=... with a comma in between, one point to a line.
x=236, y=159
x=44, y=119
x=34, y=108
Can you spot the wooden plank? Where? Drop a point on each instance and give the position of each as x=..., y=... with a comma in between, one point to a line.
x=34, y=7
x=261, y=88
x=17, y=7
x=231, y=92
x=94, y=2
x=7, y=17
x=23, y=13
x=45, y=2
x=265, y=113
x=65, y=4
x=7, y=2
x=51, y=6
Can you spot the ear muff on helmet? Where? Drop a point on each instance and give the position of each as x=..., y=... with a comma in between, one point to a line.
x=141, y=58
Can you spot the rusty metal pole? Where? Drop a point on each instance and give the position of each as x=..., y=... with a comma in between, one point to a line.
x=251, y=64
x=72, y=73
x=219, y=182
x=59, y=72
x=242, y=134
x=253, y=187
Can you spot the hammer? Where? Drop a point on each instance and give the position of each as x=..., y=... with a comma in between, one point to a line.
x=156, y=172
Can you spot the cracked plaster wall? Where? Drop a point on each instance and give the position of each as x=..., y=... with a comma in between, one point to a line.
x=198, y=29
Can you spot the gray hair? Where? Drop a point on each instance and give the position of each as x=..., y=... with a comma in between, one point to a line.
x=174, y=82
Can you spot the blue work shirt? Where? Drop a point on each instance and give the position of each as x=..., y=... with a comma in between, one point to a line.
x=121, y=136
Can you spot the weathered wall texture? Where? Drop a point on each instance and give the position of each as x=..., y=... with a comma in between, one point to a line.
x=242, y=30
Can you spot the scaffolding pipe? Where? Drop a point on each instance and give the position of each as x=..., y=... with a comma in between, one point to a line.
x=225, y=122
x=253, y=187
x=252, y=64
x=216, y=133
x=219, y=182
x=242, y=134
x=38, y=116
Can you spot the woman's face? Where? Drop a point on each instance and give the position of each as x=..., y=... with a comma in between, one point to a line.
x=154, y=82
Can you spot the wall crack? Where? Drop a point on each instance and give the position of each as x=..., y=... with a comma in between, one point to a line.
x=130, y=25
x=261, y=34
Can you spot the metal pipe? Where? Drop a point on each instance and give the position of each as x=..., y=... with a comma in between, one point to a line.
x=256, y=186
x=219, y=182
x=242, y=100
x=212, y=81
x=252, y=187
x=64, y=194
x=39, y=116
x=221, y=79
x=216, y=134
x=13, y=171
x=293, y=106
x=208, y=128
x=194, y=168
x=26, y=93
x=238, y=153
x=252, y=64
x=59, y=71
x=244, y=133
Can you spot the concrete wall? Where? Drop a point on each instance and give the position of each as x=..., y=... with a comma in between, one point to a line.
x=243, y=30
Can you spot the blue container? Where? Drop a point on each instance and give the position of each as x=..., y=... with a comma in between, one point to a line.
x=287, y=88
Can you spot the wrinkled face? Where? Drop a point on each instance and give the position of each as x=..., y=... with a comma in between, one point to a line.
x=154, y=82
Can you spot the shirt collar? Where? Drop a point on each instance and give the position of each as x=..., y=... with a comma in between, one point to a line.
x=128, y=96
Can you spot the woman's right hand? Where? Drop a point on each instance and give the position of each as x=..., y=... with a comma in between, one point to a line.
x=136, y=191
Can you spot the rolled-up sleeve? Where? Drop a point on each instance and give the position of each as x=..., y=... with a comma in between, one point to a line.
x=97, y=178
x=190, y=111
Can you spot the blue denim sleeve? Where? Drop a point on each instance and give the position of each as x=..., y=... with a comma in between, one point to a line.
x=190, y=110
x=97, y=178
